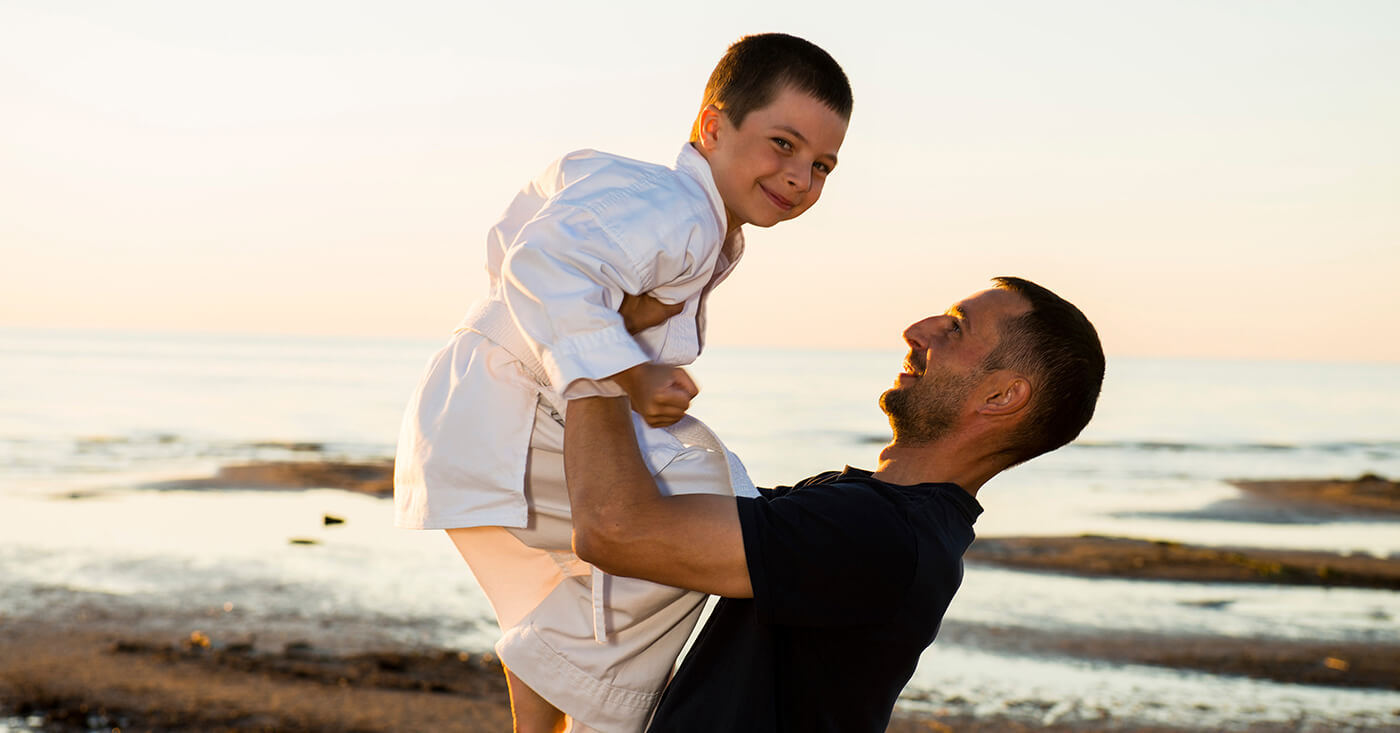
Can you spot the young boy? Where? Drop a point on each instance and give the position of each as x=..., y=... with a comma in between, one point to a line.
x=599, y=272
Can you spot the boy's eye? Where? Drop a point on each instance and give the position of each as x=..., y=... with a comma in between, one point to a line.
x=784, y=144
x=955, y=327
x=822, y=168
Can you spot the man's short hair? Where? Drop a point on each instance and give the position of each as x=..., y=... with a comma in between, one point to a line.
x=1059, y=349
x=757, y=67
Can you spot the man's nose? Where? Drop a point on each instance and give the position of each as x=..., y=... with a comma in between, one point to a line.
x=917, y=334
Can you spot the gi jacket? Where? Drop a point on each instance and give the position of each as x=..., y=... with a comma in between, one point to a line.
x=590, y=228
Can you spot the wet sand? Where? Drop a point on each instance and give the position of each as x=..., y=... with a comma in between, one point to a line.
x=1304, y=662
x=120, y=668
x=373, y=478
x=79, y=678
x=1122, y=557
x=1368, y=495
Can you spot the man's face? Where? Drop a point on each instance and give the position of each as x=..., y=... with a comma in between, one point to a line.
x=772, y=167
x=945, y=365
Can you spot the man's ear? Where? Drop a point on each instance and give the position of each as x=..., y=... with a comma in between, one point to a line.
x=1009, y=394
x=711, y=120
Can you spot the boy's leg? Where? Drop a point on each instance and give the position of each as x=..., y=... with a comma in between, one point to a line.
x=612, y=685
x=543, y=597
x=530, y=712
x=517, y=577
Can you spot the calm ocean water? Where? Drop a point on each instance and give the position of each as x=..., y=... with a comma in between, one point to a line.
x=102, y=415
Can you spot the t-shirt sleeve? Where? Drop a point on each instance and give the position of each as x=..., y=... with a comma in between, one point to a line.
x=826, y=555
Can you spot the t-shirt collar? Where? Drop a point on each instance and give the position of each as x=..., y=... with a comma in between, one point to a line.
x=967, y=501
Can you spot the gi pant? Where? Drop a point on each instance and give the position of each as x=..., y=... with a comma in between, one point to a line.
x=596, y=646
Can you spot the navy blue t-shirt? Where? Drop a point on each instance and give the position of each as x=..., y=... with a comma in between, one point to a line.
x=851, y=577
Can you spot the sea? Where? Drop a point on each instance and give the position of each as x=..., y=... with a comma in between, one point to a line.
x=93, y=426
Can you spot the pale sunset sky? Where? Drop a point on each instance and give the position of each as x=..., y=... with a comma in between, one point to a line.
x=1216, y=179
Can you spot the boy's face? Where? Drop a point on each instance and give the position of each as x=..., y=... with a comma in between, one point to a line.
x=772, y=167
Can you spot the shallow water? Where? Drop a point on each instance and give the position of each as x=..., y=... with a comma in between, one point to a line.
x=972, y=682
x=98, y=417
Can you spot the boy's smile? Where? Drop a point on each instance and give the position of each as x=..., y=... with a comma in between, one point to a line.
x=771, y=168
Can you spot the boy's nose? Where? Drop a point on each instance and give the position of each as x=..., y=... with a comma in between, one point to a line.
x=799, y=176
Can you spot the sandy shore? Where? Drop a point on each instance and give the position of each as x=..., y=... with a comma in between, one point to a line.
x=104, y=666
x=77, y=676
x=373, y=478
x=1291, y=500
x=1369, y=495
x=1122, y=557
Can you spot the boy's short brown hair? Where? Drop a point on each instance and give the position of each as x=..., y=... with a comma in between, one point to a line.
x=757, y=67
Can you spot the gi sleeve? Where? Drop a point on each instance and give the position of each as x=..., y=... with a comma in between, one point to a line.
x=564, y=277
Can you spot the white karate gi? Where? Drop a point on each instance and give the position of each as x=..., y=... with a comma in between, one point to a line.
x=484, y=427
x=589, y=229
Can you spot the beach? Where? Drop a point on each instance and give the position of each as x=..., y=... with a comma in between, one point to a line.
x=196, y=534
x=82, y=675
x=81, y=662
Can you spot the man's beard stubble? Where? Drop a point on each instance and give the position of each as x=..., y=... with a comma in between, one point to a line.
x=927, y=410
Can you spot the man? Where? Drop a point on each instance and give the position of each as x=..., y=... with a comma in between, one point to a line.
x=832, y=588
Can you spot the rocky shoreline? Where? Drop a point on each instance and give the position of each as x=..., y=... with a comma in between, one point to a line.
x=67, y=676
x=375, y=478
x=1367, y=495
x=95, y=665
x=1123, y=557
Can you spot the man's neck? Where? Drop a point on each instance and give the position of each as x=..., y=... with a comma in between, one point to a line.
x=937, y=462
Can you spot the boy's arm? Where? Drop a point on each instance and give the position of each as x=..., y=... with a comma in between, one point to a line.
x=625, y=526
x=640, y=312
x=564, y=284
x=660, y=394
x=568, y=282
x=607, y=228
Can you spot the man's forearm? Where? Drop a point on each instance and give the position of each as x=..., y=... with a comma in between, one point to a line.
x=623, y=524
x=608, y=482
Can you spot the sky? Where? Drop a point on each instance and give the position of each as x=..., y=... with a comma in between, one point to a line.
x=1204, y=179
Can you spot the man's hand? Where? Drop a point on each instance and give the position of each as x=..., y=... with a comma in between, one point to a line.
x=660, y=394
x=640, y=312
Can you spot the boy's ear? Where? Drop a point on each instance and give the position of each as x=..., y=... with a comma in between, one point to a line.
x=711, y=120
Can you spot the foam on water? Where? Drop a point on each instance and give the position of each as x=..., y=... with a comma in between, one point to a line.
x=998, y=597
x=972, y=682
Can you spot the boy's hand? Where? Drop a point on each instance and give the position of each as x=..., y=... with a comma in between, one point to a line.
x=640, y=312
x=660, y=394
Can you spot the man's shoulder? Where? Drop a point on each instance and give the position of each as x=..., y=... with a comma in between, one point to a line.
x=850, y=492
x=867, y=494
x=847, y=477
x=825, y=477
